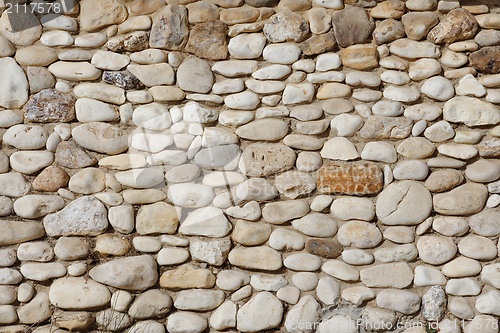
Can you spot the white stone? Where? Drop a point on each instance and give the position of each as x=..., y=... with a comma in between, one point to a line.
x=283, y=53
x=328, y=61
x=262, y=312
x=346, y=124
x=247, y=46
x=339, y=148
x=352, y=208
x=380, y=152
x=14, y=84
x=438, y=88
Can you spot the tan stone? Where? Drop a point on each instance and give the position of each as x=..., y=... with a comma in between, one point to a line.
x=318, y=44
x=361, y=57
x=97, y=14
x=144, y=7
x=486, y=60
x=208, y=40
x=351, y=178
x=388, y=9
x=457, y=25
x=239, y=15
x=187, y=277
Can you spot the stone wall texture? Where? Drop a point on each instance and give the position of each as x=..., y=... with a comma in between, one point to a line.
x=191, y=166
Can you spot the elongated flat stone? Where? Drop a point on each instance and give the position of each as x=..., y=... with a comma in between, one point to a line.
x=356, y=178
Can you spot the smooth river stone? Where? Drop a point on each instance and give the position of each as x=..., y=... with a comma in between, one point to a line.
x=207, y=221
x=259, y=257
x=401, y=276
x=76, y=293
x=260, y=130
x=190, y=195
x=140, y=178
x=15, y=232
x=26, y=136
x=101, y=137
x=463, y=200
x=404, y=203
x=351, y=178
x=264, y=159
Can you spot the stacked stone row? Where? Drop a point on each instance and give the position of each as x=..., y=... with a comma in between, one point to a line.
x=224, y=165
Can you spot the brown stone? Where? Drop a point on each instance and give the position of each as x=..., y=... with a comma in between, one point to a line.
x=388, y=9
x=51, y=179
x=239, y=15
x=318, y=44
x=145, y=7
x=387, y=31
x=326, y=248
x=286, y=26
x=351, y=178
x=380, y=127
x=170, y=28
x=457, y=25
x=187, y=277
x=361, y=57
x=97, y=14
x=486, y=60
x=207, y=40
x=489, y=148
x=352, y=25
x=50, y=106
x=70, y=155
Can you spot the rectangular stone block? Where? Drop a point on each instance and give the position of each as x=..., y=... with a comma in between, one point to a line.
x=351, y=178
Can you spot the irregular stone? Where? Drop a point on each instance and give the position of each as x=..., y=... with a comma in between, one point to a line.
x=85, y=216
x=439, y=132
x=195, y=75
x=457, y=25
x=131, y=273
x=262, y=312
x=170, y=28
x=70, y=155
x=478, y=112
x=207, y=221
x=450, y=226
x=286, y=26
x=96, y=15
x=357, y=178
x=159, y=217
x=380, y=127
x=388, y=31
x=20, y=27
x=294, y=184
x=298, y=93
x=207, y=40
x=37, y=205
x=379, y=152
x=339, y=148
x=433, y=303
x=50, y=105
x=417, y=25
x=263, y=159
x=464, y=200
x=486, y=60
x=122, y=79
x=304, y=314
x=318, y=44
x=483, y=171
x=71, y=248
x=280, y=212
x=352, y=25
x=484, y=224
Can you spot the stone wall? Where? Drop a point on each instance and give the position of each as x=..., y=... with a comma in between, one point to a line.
x=220, y=165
